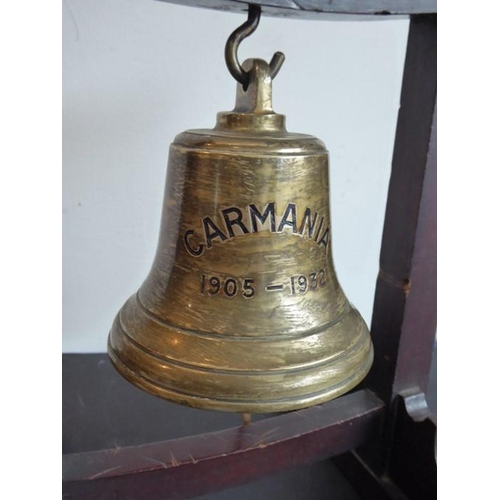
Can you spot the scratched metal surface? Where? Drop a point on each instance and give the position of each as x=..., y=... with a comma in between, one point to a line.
x=242, y=309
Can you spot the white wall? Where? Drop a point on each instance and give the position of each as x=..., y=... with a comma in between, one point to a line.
x=136, y=73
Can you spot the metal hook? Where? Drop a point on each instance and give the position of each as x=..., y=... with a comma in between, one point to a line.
x=233, y=42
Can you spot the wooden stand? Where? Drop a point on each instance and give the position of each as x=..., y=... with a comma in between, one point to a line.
x=381, y=435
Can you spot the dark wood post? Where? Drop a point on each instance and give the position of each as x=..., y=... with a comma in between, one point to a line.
x=400, y=464
x=404, y=316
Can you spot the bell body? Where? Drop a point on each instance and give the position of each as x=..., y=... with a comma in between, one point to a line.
x=242, y=310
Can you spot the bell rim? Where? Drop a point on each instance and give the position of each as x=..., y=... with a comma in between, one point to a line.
x=244, y=406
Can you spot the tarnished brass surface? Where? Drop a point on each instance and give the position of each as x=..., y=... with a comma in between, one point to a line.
x=242, y=310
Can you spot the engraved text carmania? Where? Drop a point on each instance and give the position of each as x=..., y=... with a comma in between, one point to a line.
x=235, y=221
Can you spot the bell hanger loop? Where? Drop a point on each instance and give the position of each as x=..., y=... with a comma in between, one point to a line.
x=233, y=42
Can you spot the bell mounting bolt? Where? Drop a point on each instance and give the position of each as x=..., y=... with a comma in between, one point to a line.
x=233, y=42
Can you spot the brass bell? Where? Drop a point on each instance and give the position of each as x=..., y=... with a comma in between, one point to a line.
x=242, y=310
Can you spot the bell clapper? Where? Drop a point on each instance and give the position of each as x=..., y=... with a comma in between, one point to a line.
x=246, y=418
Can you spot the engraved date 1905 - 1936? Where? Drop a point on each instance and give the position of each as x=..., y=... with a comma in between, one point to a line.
x=248, y=287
